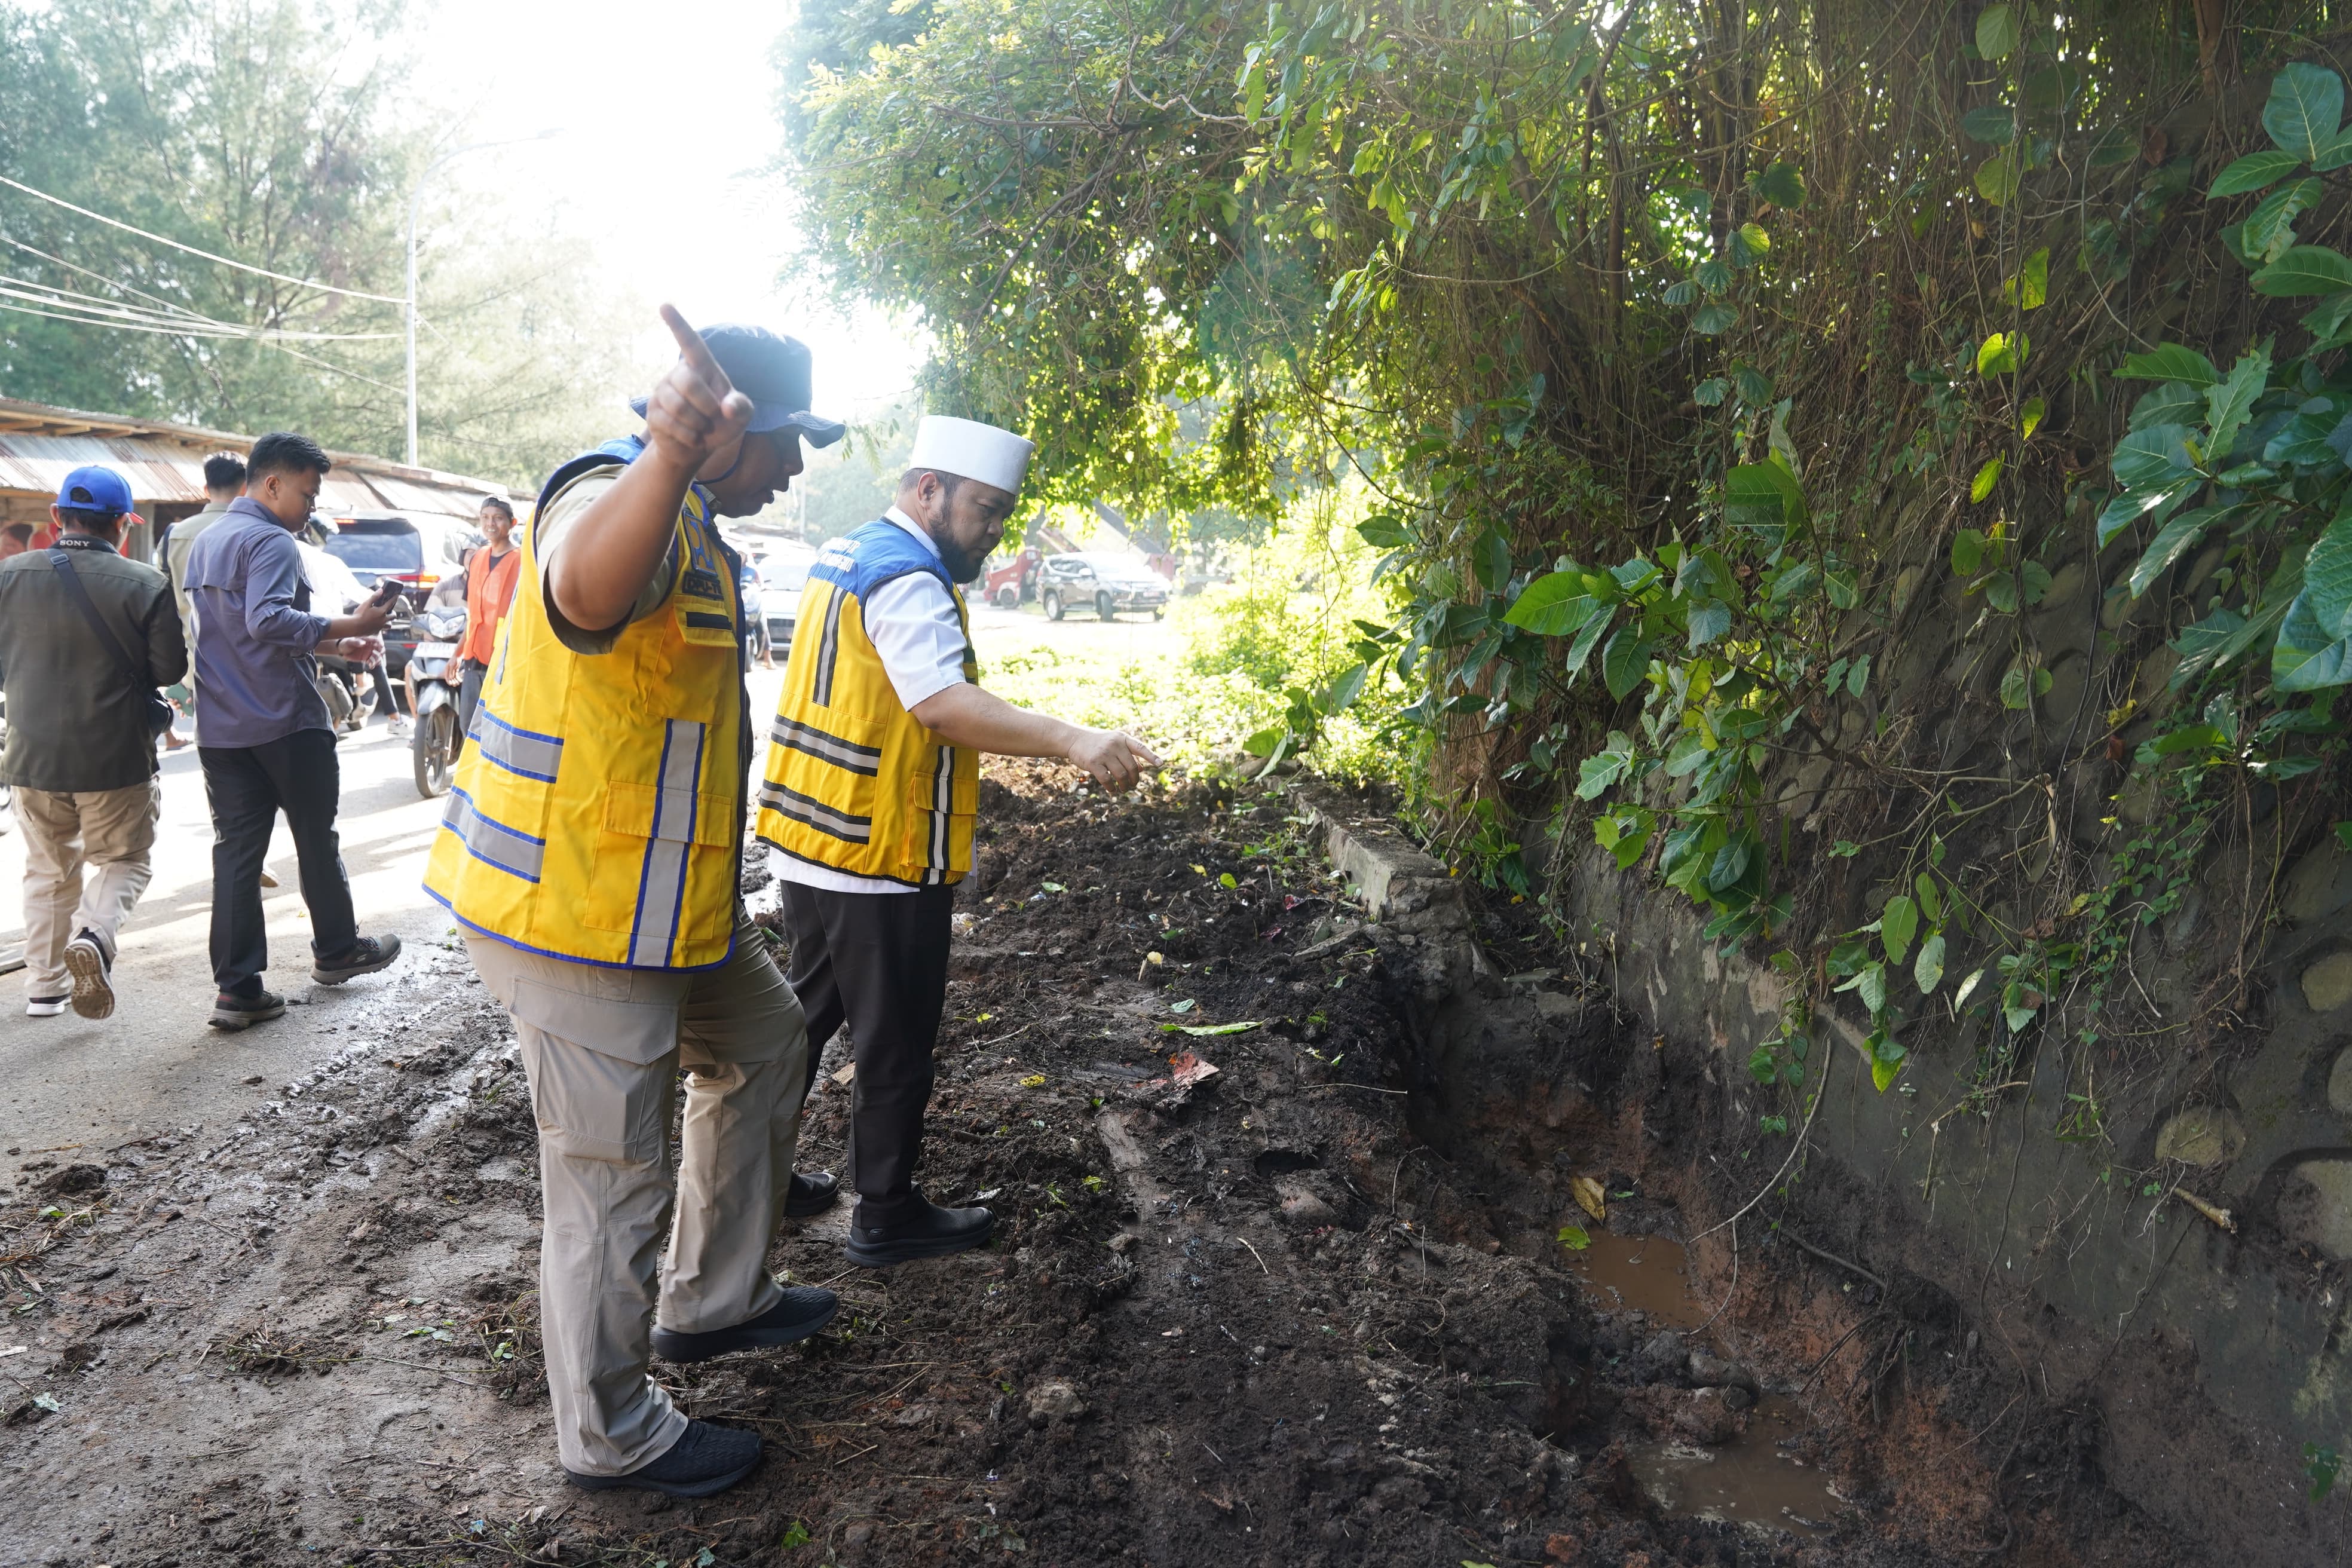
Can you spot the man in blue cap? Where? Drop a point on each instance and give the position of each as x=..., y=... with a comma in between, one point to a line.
x=86, y=637
x=592, y=853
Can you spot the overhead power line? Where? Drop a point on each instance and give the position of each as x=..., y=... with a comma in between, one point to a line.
x=192, y=250
x=175, y=318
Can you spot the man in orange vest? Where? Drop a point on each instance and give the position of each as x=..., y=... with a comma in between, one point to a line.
x=489, y=589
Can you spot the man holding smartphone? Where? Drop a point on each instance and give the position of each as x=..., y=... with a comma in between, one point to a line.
x=263, y=732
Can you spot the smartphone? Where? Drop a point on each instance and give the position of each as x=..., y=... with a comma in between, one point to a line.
x=387, y=592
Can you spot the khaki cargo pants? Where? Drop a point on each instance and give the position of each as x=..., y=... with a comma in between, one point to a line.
x=108, y=832
x=603, y=1048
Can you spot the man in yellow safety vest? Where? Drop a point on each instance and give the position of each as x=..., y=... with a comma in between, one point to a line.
x=590, y=850
x=869, y=797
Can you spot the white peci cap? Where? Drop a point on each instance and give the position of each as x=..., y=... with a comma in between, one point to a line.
x=971, y=450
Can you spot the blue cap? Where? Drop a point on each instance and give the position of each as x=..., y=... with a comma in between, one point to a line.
x=95, y=488
x=773, y=373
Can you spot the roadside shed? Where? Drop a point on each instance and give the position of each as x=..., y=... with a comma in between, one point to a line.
x=39, y=445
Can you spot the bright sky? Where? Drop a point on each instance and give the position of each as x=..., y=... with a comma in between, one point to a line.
x=665, y=117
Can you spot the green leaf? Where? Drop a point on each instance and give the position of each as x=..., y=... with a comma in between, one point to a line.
x=1750, y=245
x=2304, y=269
x=2017, y=687
x=2305, y=107
x=1713, y=320
x=1987, y=477
x=2031, y=287
x=1929, y=973
x=1712, y=276
x=1782, y=185
x=1491, y=559
x=2270, y=227
x=1603, y=769
x=2313, y=650
x=1996, y=177
x=1858, y=676
x=2153, y=458
x=1968, y=552
x=1898, y=923
x=2254, y=172
x=1710, y=392
x=1384, y=531
x=1994, y=122
x=1624, y=661
x=2128, y=508
x=1204, y=1029
x=2171, y=361
x=1581, y=651
x=1998, y=31
x=2171, y=541
x=1931, y=899
x=1574, y=1238
x=1883, y=1074
x=1554, y=604
x=1225, y=880
x=1345, y=687
x=1762, y=495
x=2001, y=354
x=1708, y=622
x=2029, y=418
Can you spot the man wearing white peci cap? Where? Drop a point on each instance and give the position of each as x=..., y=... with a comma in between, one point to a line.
x=868, y=798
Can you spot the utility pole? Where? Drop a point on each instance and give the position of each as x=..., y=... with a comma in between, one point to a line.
x=416, y=200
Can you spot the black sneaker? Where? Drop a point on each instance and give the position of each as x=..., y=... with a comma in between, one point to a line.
x=233, y=1013
x=44, y=1006
x=92, y=965
x=803, y=1310
x=707, y=1459
x=811, y=1194
x=365, y=956
x=927, y=1231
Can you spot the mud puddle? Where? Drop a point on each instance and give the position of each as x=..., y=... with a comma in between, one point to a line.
x=1647, y=1274
x=1752, y=1479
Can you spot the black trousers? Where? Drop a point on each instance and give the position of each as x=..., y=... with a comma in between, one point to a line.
x=247, y=787
x=877, y=961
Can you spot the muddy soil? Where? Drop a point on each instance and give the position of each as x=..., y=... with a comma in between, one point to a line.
x=1240, y=1308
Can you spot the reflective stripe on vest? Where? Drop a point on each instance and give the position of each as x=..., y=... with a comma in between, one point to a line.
x=661, y=884
x=516, y=853
x=517, y=751
x=853, y=781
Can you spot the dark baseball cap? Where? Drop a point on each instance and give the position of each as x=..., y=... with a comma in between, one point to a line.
x=773, y=373
x=95, y=488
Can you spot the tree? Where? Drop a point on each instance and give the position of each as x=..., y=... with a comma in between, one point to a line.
x=265, y=132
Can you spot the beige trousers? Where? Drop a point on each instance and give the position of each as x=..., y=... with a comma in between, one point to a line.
x=111, y=831
x=603, y=1048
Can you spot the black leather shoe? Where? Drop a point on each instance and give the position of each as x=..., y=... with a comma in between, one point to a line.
x=803, y=1310
x=928, y=1231
x=707, y=1459
x=813, y=1194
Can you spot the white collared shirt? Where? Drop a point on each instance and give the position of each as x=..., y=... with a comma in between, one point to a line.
x=911, y=621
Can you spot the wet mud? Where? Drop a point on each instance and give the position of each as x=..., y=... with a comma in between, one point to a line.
x=1243, y=1308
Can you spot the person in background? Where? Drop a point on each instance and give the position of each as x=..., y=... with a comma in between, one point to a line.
x=868, y=799
x=223, y=482
x=15, y=539
x=262, y=731
x=86, y=637
x=490, y=575
x=335, y=590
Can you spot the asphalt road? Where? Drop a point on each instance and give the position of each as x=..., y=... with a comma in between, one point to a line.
x=66, y=1082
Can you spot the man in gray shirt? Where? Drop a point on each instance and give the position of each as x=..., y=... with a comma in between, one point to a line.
x=80, y=657
x=262, y=730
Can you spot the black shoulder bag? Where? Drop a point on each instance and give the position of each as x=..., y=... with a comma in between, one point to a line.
x=159, y=707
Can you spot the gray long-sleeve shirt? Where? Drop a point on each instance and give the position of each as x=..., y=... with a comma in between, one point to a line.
x=256, y=679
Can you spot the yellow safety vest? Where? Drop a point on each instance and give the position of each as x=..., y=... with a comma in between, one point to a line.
x=598, y=810
x=853, y=781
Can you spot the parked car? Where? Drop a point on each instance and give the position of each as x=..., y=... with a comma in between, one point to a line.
x=1109, y=584
x=784, y=572
x=756, y=643
x=421, y=550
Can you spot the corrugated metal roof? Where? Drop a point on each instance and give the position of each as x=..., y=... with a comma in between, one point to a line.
x=40, y=445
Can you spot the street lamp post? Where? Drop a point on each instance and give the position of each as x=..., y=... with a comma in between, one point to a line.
x=416, y=200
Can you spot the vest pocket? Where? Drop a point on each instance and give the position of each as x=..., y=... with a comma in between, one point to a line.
x=941, y=811
x=662, y=859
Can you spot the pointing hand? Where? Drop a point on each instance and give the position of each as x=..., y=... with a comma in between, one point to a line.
x=694, y=410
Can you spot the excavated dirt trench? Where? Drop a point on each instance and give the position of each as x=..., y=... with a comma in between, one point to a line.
x=1309, y=1308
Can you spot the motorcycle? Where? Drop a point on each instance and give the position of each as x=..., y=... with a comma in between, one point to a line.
x=434, y=676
